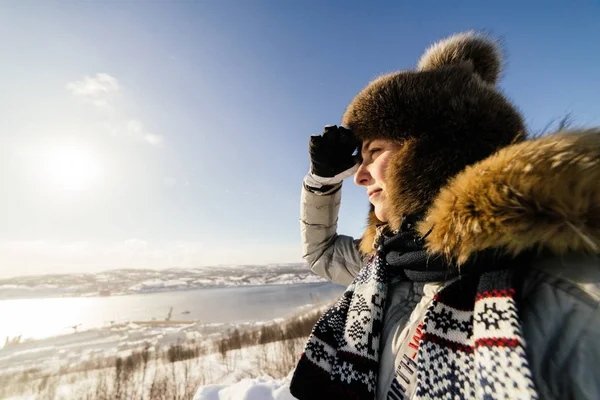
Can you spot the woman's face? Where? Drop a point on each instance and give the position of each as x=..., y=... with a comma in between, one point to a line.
x=376, y=155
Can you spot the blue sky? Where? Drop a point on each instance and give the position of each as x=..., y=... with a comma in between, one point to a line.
x=174, y=133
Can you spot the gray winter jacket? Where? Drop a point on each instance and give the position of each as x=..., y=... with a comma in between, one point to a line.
x=560, y=310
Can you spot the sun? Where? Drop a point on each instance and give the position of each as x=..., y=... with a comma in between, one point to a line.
x=71, y=167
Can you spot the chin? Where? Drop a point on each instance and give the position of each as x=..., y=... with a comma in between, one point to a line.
x=381, y=215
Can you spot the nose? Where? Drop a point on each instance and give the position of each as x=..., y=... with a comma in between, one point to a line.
x=363, y=176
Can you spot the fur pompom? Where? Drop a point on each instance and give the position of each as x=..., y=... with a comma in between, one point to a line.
x=479, y=50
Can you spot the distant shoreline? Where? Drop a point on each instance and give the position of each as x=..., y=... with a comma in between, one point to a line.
x=32, y=295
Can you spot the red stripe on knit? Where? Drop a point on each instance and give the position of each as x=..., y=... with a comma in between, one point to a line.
x=495, y=293
x=497, y=342
x=485, y=342
x=429, y=337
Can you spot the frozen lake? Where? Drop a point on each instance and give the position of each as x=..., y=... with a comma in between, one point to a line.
x=41, y=318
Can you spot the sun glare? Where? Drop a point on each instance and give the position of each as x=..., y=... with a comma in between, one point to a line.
x=72, y=168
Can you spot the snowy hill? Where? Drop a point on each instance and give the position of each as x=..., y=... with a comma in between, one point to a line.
x=251, y=361
x=127, y=281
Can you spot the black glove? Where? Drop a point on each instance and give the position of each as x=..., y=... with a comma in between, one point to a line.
x=332, y=156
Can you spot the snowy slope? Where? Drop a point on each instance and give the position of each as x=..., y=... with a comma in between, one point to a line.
x=263, y=388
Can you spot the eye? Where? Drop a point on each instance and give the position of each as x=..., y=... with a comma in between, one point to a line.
x=374, y=151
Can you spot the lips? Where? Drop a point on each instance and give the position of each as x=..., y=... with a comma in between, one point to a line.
x=373, y=192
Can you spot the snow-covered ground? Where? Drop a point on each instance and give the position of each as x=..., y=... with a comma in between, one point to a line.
x=262, y=388
x=254, y=373
x=95, y=345
x=82, y=365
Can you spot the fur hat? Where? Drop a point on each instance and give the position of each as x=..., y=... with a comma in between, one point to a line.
x=448, y=114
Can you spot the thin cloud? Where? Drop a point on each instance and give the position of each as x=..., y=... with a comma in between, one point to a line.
x=96, y=86
x=101, y=91
x=135, y=129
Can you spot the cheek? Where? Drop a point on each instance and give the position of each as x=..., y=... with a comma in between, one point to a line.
x=381, y=169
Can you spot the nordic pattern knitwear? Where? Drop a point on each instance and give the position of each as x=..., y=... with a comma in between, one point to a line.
x=472, y=345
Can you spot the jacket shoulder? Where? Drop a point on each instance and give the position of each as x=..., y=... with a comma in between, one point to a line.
x=576, y=275
x=560, y=313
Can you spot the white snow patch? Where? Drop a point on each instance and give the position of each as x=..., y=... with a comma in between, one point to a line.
x=263, y=388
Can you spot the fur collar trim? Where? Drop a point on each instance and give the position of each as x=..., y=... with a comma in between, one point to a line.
x=541, y=194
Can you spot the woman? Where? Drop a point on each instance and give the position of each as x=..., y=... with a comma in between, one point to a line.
x=478, y=274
